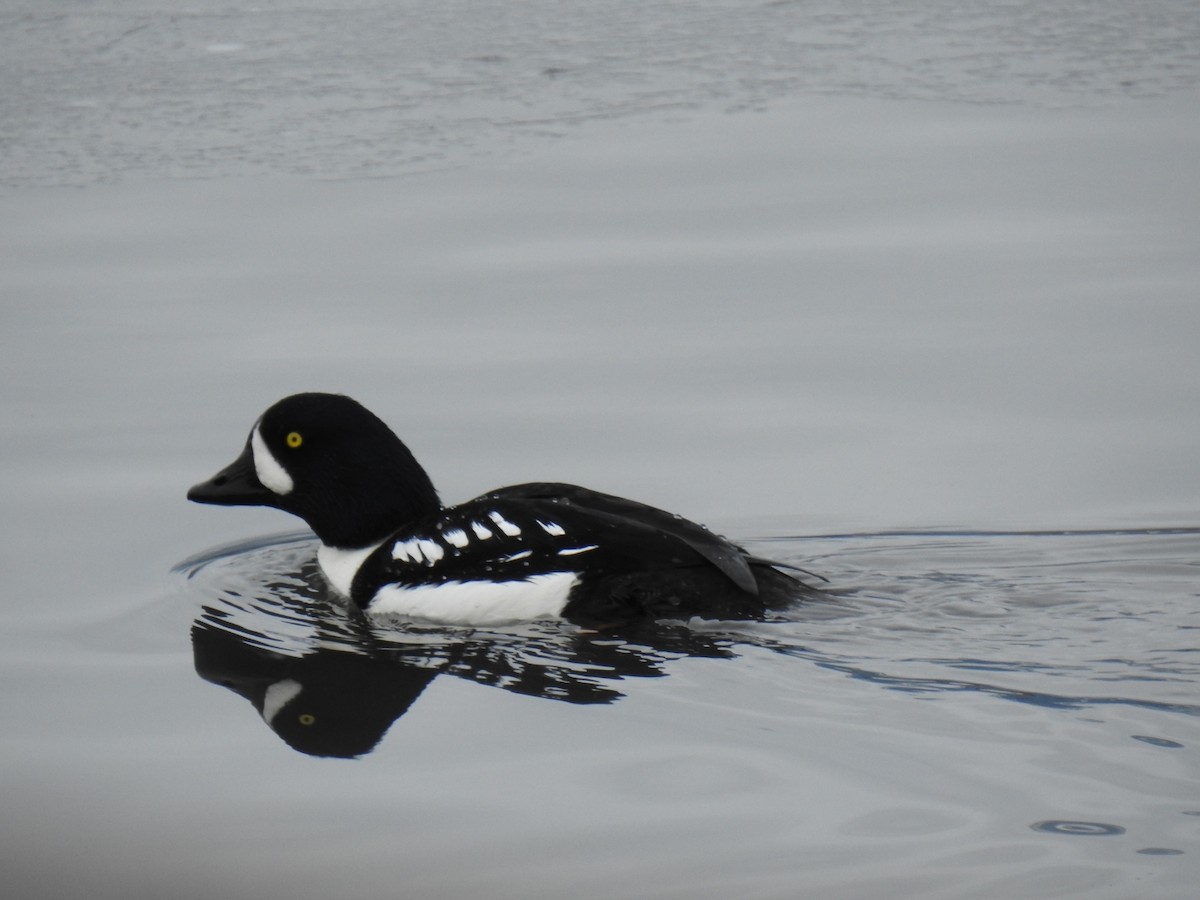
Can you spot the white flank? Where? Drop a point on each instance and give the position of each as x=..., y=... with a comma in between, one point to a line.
x=481, y=531
x=279, y=695
x=479, y=602
x=571, y=551
x=340, y=566
x=268, y=469
x=503, y=524
x=552, y=528
x=456, y=537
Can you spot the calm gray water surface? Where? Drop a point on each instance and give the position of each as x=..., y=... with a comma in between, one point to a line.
x=905, y=295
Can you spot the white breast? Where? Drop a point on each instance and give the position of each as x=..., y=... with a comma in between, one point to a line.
x=478, y=602
x=340, y=566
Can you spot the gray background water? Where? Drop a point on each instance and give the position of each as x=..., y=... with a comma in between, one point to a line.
x=787, y=268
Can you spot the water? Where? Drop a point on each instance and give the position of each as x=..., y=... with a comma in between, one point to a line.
x=356, y=88
x=903, y=295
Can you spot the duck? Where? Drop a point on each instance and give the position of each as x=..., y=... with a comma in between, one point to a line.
x=527, y=552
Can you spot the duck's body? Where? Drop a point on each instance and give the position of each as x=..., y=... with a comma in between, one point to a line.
x=530, y=551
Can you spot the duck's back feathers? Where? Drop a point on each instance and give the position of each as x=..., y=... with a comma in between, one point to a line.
x=617, y=517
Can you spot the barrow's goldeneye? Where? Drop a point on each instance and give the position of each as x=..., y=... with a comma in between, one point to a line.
x=530, y=551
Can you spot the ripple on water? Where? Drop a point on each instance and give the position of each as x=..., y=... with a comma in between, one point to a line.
x=1078, y=829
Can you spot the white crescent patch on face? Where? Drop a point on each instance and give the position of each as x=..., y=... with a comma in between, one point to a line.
x=269, y=470
x=279, y=695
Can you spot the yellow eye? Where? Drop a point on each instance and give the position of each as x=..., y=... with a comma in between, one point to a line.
x=294, y=439
x=306, y=718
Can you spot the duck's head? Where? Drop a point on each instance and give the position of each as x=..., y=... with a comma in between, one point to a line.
x=333, y=463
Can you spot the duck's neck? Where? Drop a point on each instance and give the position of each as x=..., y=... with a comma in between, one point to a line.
x=370, y=502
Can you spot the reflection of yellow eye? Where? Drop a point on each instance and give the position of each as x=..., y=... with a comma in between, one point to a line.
x=294, y=439
x=306, y=718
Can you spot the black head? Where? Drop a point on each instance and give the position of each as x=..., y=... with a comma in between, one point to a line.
x=333, y=463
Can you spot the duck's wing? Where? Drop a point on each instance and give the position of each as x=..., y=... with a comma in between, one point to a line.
x=628, y=528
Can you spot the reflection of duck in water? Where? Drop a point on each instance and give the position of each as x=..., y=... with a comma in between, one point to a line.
x=532, y=551
x=330, y=686
x=329, y=703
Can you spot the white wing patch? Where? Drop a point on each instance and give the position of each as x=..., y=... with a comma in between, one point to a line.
x=504, y=525
x=571, y=551
x=431, y=550
x=481, y=531
x=408, y=551
x=552, y=528
x=418, y=550
x=478, y=602
x=456, y=537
